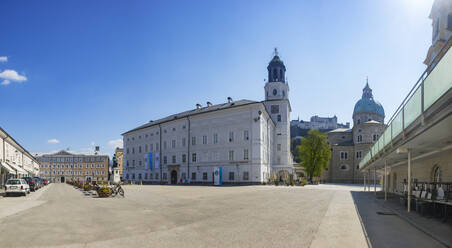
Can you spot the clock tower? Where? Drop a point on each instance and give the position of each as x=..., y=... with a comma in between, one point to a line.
x=278, y=106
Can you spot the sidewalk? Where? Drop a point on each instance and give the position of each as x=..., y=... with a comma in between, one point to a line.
x=430, y=225
x=386, y=228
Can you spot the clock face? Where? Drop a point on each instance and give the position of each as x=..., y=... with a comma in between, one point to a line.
x=274, y=92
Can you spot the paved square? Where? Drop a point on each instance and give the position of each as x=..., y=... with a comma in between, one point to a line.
x=185, y=216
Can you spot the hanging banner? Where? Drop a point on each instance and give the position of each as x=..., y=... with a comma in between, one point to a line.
x=145, y=161
x=157, y=161
x=150, y=161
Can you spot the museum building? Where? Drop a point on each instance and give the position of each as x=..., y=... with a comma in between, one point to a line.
x=247, y=139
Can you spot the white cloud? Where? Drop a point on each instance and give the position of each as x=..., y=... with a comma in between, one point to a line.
x=53, y=141
x=115, y=143
x=11, y=75
x=3, y=59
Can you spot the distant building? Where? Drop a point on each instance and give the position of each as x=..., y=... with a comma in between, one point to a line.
x=119, y=154
x=63, y=166
x=318, y=122
x=350, y=145
x=300, y=128
x=15, y=161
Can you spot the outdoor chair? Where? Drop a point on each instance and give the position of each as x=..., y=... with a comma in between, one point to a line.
x=423, y=204
x=437, y=203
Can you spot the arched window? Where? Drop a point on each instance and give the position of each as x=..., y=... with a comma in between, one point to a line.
x=275, y=74
x=360, y=138
x=358, y=121
x=344, y=167
x=436, y=174
x=283, y=93
x=374, y=138
x=280, y=74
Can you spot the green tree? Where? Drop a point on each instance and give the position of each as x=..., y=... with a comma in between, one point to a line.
x=293, y=148
x=314, y=152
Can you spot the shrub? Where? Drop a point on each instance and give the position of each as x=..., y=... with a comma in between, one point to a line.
x=86, y=187
x=304, y=182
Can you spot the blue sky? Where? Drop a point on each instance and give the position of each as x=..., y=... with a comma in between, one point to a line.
x=83, y=72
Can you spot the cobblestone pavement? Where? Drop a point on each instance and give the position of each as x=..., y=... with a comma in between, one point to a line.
x=187, y=216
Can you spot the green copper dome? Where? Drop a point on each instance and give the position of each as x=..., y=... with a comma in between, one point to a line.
x=367, y=104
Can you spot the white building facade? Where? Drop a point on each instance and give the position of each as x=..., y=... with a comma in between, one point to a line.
x=15, y=161
x=247, y=139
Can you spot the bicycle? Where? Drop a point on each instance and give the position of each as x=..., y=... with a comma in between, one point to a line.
x=117, y=189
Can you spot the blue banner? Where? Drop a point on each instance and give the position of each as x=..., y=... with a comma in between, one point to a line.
x=157, y=161
x=150, y=161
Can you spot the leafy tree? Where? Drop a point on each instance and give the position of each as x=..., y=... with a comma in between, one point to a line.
x=314, y=152
x=293, y=148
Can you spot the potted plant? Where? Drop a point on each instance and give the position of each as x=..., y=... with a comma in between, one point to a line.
x=103, y=192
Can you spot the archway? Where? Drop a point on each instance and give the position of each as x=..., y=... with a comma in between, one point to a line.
x=394, y=182
x=173, y=177
x=436, y=174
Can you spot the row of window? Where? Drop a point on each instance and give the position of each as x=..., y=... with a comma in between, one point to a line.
x=345, y=167
x=184, y=141
x=245, y=176
x=72, y=172
x=72, y=166
x=152, y=134
x=359, y=138
x=72, y=159
x=359, y=120
x=344, y=155
x=194, y=158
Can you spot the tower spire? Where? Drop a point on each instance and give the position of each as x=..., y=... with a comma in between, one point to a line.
x=275, y=53
x=367, y=91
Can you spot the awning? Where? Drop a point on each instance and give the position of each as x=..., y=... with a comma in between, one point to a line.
x=18, y=169
x=29, y=172
x=7, y=167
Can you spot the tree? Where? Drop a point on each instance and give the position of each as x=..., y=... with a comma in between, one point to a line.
x=314, y=152
x=293, y=148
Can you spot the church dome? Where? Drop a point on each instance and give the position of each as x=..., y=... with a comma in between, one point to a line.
x=367, y=104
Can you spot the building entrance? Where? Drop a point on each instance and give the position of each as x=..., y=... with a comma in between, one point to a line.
x=173, y=177
x=62, y=179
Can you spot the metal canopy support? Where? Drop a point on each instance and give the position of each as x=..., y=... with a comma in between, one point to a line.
x=386, y=180
x=375, y=180
x=409, y=180
x=364, y=182
x=368, y=173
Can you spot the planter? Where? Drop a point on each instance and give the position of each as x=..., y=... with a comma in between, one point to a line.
x=104, y=192
x=86, y=187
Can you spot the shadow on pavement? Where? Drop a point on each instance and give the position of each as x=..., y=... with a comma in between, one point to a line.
x=385, y=227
